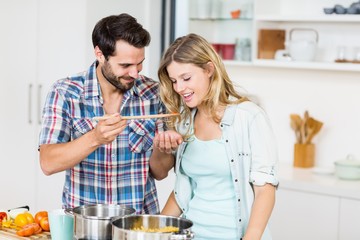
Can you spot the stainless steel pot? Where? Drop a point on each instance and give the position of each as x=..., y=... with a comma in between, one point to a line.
x=122, y=227
x=93, y=222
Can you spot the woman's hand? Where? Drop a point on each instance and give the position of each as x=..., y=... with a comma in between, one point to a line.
x=167, y=141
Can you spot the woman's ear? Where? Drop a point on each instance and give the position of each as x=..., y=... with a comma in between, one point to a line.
x=210, y=68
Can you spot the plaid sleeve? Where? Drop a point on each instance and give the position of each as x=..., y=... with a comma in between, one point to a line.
x=56, y=127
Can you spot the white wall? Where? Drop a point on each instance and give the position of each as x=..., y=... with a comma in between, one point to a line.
x=330, y=96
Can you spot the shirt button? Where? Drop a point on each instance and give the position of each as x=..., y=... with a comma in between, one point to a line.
x=239, y=220
x=236, y=180
x=232, y=160
x=239, y=200
x=112, y=156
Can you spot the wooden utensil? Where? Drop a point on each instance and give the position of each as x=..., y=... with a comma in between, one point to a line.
x=138, y=117
x=296, y=125
x=314, y=127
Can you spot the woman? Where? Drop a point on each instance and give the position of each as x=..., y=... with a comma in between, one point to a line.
x=225, y=165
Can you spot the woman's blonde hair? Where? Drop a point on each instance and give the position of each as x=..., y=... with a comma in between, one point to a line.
x=195, y=50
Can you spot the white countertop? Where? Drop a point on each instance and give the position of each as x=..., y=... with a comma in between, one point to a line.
x=307, y=180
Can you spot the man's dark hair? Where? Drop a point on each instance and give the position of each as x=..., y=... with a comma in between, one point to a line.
x=119, y=27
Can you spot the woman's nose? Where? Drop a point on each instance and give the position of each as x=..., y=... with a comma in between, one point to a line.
x=179, y=86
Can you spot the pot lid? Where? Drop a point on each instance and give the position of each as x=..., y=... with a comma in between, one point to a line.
x=349, y=161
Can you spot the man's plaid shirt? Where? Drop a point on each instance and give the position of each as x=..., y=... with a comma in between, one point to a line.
x=114, y=173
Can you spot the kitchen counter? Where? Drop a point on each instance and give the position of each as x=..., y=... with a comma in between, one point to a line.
x=307, y=180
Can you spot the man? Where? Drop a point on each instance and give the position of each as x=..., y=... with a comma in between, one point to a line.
x=107, y=161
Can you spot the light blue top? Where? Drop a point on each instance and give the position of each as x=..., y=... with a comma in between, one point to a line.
x=251, y=152
x=212, y=208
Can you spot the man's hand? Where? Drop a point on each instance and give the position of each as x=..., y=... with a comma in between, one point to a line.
x=107, y=130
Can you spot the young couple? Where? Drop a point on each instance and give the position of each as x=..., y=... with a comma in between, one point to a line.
x=222, y=143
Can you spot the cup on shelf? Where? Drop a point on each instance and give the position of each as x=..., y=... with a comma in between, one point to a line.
x=228, y=51
x=217, y=47
x=203, y=9
x=216, y=9
x=235, y=13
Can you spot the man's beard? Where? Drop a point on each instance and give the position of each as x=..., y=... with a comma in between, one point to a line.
x=114, y=80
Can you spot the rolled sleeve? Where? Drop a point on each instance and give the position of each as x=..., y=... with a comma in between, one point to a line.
x=262, y=178
x=264, y=152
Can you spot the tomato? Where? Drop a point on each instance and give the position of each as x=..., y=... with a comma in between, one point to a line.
x=29, y=229
x=3, y=215
x=26, y=231
x=44, y=224
x=21, y=220
x=40, y=215
x=37, y=228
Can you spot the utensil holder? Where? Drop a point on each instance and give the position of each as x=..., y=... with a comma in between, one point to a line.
x=304, y=155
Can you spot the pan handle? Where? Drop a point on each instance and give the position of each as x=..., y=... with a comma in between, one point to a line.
x=69, y=211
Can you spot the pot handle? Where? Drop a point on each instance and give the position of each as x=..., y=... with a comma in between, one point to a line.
x=304, y=29
x=185, y=235
x=69, y=211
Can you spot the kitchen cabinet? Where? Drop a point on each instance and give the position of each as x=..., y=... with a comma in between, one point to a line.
x=18, y=98
x=315, y=206
x=57, y=45
x=28, y=69
x=300, y=215
x=338, y=34
x=349, y=217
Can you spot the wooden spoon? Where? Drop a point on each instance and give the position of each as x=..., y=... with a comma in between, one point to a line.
x=296, y=125
x=313, y=127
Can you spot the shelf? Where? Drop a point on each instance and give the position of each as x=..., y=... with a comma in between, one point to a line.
x=309, y=65
x=237, y=63
x=346, y=18
x=350, y=67
x=221, y=19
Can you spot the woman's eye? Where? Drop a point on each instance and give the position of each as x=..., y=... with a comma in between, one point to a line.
x=187, y=79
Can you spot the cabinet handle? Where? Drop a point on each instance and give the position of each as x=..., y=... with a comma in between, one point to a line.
x=29, y=102
x=39, y=103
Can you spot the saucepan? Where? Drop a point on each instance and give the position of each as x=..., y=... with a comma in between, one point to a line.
x=348, y=168
x=151, y=227
x=94, y=221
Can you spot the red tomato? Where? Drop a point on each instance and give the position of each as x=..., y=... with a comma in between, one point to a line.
x=40, y=215
x=26, y=231
x=3, y=215
x=44, y=224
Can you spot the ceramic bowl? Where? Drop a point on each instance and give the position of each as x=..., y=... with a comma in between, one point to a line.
x=329, y=10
